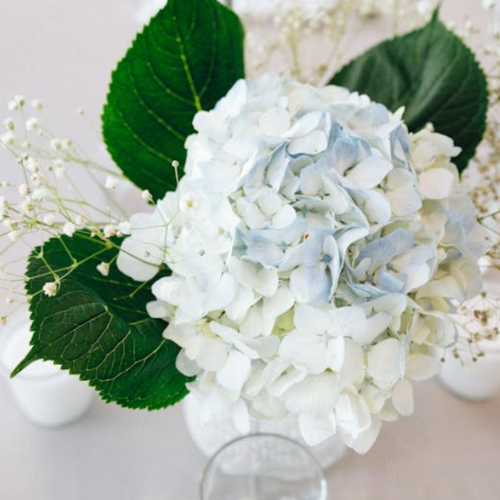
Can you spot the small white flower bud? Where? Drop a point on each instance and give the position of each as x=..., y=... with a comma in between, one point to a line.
x=50, y=289
x=109, y=231
x=69, y=229
x=49, y=220
x=147, y=196
x=103, y=268
x=125, y=228
x=21, y=101
x=32, y=164
x=9, y=124
x=80, y=221
x=60, y=169
x=36, y=104
x=8, y=139
x=56, y=144
x=32, y=124
x=111, y=182
x=14, y=235
x=23, y=190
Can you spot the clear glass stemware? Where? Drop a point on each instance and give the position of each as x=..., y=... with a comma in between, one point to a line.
x=263, y=467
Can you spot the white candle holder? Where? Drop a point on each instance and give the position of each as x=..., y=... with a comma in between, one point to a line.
x=474, y=381
x=46, y=395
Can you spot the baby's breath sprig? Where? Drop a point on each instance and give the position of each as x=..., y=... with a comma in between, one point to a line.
x=41, y=199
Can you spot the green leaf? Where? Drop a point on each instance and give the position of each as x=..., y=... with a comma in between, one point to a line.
x=434, y=75
x=185, y=60
x=97, y=327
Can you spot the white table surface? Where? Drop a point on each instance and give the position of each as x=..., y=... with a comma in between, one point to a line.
x=449, y=450
x=62, y=51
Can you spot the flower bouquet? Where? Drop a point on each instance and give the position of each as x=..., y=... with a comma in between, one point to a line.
x=305, y=247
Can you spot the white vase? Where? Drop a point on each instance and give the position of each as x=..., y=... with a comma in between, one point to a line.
x=46, y=395
x=210, y=437
x=479, y=381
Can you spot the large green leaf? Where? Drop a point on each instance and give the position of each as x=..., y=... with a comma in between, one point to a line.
x=434, y=75
x=97, y=327
x=184, y=61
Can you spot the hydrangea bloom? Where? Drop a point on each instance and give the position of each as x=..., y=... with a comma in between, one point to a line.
x=316, y=249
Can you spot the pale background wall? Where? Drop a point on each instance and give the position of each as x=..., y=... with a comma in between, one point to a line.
x=63, y=51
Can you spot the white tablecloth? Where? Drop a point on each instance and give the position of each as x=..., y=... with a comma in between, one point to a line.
x=449, y=450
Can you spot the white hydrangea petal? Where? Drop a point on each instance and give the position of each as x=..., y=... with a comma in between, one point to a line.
x=212, y=355
x=311, y=285
x=385, y=362
x=235, y=372
x=364, y=442
x=138, y=260
x=372, y=328
x=346, y=320
x=437, y=183
x=283, y=383
x=312, y=144
x=278, y=304
x=256, y=277
x=315, y=430
x=269, y=374
x=160, y=310
x=402, y=398
x=307, y=352
x=211, y=124
x=311, y=319
x=353, y=416
x=284, y=217
x=186, y=366
x=232, y=104
x=354, y=368
x=316, y=395
x=241, y=417
x=275, y=121
x=270, y=203
x=377, y=207
x=422, y=367
x=403, y=194
x=305, y=125
x=243, y=300
x=181, y=334
x=370, y=172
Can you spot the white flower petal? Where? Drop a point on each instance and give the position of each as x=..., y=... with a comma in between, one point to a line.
x=370, y=172
x=363, y=443
x=421, y=367
x=437, y=183
x=386, y=362
x=311, y=144
x=353, y=416
x=275, y=122
x=278, y=304
x=311, y=319
x=402, y=398
x=284, y=217
x=315, y=430
x=235, y=372
x=186, y=366
x=138, y=260
x=317, y=395
x=212, y=355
